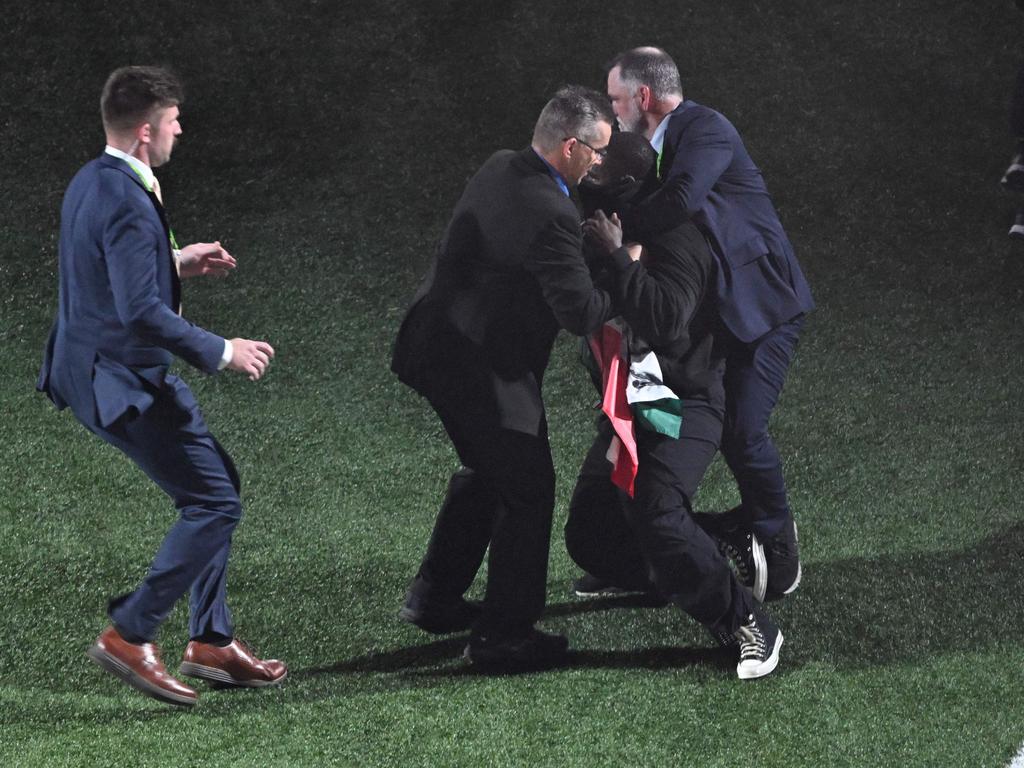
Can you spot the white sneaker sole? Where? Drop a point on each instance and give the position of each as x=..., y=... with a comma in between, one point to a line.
x=747, y=671
x=796, y=581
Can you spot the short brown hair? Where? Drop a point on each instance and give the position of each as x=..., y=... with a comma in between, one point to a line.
x=132, y=93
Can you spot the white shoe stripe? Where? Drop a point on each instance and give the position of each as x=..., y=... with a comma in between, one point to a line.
x=760, y=569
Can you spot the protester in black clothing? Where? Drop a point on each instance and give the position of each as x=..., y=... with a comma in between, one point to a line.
x=665, y=295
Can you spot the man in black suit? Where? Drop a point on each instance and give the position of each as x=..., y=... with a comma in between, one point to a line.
x=508, y=274
x=666, y=297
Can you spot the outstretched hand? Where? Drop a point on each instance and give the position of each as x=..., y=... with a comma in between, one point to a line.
x=603, y=233
x=201, y=259
x=251, y=357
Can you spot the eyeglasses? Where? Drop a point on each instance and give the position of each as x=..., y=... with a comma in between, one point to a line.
x=602, y=153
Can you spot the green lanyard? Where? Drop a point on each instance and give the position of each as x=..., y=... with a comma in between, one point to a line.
x=149, y=188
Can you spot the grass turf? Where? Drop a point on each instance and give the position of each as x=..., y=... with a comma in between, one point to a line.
x=325, y=144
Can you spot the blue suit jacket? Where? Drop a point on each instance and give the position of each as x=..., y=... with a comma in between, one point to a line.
x=117, y=325
x=710, y=179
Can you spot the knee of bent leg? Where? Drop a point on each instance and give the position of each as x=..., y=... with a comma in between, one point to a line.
x=743, y=444
x=222, y=512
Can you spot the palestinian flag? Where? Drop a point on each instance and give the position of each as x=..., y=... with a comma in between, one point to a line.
x=632, y=393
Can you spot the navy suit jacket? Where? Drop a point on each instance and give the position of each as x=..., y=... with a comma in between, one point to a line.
x=508, y=274
x=710, y=179
x=117, y=325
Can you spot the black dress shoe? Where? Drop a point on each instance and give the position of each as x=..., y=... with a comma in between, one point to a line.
x=1013, y=179
x=782, y=555
x=440, y=617
x=537, y=650
x=1017, y=230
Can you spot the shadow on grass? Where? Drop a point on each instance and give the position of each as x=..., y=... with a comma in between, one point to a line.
x=853, y=613
x=857, y=613
x=891, y=610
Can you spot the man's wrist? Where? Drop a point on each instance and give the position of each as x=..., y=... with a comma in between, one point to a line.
x=620, y=258
x=226, y=355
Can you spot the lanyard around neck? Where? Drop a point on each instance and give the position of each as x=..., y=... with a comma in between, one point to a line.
x=149, y=188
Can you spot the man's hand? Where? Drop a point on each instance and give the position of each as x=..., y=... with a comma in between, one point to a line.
x=635, y=250
x=251, y=357
x=603, y=233
x=201, y=259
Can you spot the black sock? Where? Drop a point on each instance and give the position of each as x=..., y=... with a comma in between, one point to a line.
x=213, y=638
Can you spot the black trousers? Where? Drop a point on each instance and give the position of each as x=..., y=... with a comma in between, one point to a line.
x=653, y=536
x=502, y=497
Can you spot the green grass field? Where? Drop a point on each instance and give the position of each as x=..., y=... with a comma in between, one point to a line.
x=325, y=144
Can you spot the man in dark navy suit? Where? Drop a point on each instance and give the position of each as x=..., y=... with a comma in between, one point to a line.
x=709, y=178
x=475, y=343
x=118, y=325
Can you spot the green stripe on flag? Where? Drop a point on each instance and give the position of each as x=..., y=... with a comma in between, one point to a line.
x=663, y=416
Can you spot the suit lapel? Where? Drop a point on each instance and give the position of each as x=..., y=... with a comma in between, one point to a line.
x=676, y=124
x=175, y=278
x=120, y=165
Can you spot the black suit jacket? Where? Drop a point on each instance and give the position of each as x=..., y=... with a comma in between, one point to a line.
x=508, y=274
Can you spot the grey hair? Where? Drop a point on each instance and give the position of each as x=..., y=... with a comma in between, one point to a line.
x=651, y=67
x=573, y=111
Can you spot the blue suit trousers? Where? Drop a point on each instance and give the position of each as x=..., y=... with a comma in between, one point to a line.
x=171, y=443
x=754, y=375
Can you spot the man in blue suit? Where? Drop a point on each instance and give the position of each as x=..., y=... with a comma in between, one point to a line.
x=118, y=325
x=709, y=178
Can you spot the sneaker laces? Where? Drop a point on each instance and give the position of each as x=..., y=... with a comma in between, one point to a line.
x=751, y=640
x=738, y=558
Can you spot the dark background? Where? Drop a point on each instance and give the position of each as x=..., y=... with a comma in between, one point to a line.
x=325, y=144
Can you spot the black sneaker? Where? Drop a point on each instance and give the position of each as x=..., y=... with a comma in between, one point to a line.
x=782, y=554
x=1013, y=179
x=745, y=554
x=1017, y=230
x=537, y=650
x=439, y=617
x=760, y=640
x=589, y=585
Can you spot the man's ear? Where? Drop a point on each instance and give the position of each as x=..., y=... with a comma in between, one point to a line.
x=144, y=133
x=644, y=92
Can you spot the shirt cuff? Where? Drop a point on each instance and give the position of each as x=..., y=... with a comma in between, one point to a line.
x=226, y=356
x=620, y=258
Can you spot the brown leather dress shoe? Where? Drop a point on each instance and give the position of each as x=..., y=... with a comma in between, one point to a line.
x=139, y=665
x=233, y=664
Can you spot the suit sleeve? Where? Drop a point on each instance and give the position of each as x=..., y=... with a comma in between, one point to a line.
x=131, y=253
x=659, y=301
x=556, y=261
x=702, y=152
